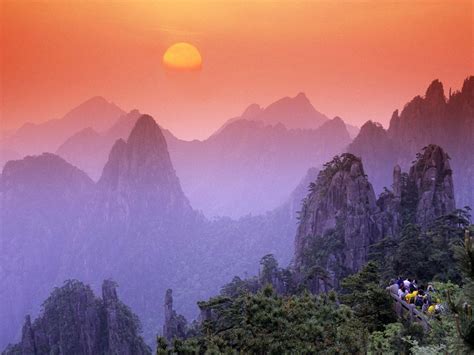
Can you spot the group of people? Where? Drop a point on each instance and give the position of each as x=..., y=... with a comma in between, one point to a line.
x=426, y=299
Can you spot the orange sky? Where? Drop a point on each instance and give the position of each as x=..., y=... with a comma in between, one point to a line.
x=359, y=60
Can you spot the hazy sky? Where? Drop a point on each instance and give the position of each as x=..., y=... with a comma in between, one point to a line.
x=359, y=60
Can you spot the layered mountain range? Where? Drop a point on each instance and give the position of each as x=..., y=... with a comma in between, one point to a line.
x=254, y=161
x=96, y=113
x=431, y=119
x=134, y=225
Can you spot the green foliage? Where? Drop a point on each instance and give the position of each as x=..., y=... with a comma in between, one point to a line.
x=266, y=323
x=161, y=346
x=388, y=340
x=462, y=307
x=367, y=298
x=445, y=233
x=412, y=257
x=324, y=255
x=383, y=254
x=269, y=269
x=256, y=316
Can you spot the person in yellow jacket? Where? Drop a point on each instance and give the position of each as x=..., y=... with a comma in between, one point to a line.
x=410, y=298
x=431, y=309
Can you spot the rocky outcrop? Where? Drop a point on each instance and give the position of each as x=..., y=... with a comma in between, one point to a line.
x=432, y=176
x=338, y=213
x=74, y=321
x=138, y=183
x=341, y=218
x=175, y=324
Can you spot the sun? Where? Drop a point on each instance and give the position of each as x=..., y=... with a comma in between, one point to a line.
x=182, y=56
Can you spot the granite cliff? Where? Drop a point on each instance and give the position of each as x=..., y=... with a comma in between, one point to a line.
x=341, y=217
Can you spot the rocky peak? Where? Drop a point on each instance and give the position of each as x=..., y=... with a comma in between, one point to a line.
x=371, y=128
x=141, y=176
x=47, y=168
x=47, y=180
x=293, y=112
x=96, y=112
x=339, y=208
x=28, y=337
x=251, y=111
x=168, y=303
x=144, y=157
x=432, y=176
x=397, y=181
x=71, y=323
x=109, y=291
x=335, y=128
x=371, y=134
x=174, y=325
x=340, y=218
x=435, y=92
x=468, y=87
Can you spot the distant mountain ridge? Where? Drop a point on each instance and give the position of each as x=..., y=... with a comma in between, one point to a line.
x=293, y=112
x=253, y=166
x=431, y=119
x=89, y=149
x=96, y=113
x=254, y=161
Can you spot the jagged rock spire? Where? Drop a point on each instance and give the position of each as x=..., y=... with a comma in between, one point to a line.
x=139, y=184
x=174, y=325
x=432, y=176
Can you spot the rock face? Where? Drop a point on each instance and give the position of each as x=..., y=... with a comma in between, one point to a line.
x=431, y=119
x=432, y=176
x=341, y=218
x=175, y=324
x=74, y=321
x=139, y=181
x=339, y=209
x=89, y=149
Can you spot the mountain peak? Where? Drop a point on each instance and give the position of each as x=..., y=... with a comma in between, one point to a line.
x=147, y=139
x=301, y=96
x=145, y=121
x=141, y=169
x=293, y=112
x=251, y=111
x=95, y=100
x=432, y=175
x=435, y=91
x=468, y=86
x=338, y=120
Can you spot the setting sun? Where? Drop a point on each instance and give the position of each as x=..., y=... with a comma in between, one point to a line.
x=182, y=56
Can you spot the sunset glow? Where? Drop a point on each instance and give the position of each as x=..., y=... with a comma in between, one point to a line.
x=357, y=60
